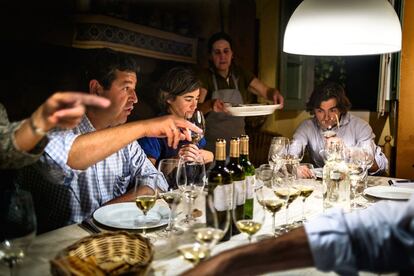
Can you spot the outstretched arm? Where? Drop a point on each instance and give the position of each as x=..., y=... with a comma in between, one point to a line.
x=62, y=110
x=259, y=88
x=90, y=148
x=286, y=252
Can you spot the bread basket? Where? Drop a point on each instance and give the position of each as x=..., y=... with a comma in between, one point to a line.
x=110, y=253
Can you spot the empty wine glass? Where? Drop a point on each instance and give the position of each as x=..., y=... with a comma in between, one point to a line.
x=18, y=226
x=277, y=151
x=369, y=148
x=295, y=151
x=194, y=172
x=145, y=202
x=197, y=118
x=168, y=167
x=355, y=158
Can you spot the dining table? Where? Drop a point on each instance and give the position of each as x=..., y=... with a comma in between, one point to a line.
x=166, y=260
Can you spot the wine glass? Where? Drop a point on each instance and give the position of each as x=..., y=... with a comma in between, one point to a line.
x=197, y=118
x=218, y=217
x=18, y=226
x=264, y=193
x=369, y=148
x=284, y=190
x=304, y=183
x=172, y=198
x=194, y=252
x=145, y=202
x=169, y=168
x=191, y=178
x=355, y=159
x=249, y=226
x=295, y=151
x=277, y=151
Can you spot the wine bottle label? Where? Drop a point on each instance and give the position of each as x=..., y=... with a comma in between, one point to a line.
x=249, y=186
x=240, y=190
x=222, y=197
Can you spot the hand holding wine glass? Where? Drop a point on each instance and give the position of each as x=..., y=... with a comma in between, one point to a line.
x=18, y=226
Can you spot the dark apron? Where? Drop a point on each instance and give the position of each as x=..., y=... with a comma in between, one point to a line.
x=220, y=124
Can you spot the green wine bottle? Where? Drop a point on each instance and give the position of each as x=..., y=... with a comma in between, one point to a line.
x=239, y=180
x=249, y=172
x=220, y=189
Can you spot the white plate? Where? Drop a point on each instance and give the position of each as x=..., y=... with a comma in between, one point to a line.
x=252, y=109
x=388, y=192
x=127, y=216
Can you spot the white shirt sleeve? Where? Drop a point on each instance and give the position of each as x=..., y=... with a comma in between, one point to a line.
x=379, y=238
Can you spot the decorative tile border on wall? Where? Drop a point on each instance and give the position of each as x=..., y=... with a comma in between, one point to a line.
x=98, y=31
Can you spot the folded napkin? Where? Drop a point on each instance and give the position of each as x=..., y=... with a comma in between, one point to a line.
x=406, y=183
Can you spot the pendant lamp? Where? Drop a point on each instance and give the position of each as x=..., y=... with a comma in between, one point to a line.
x=343, y=28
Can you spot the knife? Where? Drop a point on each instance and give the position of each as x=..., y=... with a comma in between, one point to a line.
x=89, y=226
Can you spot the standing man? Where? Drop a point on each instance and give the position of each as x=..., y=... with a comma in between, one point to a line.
x=97, y=161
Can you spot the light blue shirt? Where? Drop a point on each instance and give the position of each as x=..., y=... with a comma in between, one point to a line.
x=378, y=239
x=64, y=196
x=352, y=130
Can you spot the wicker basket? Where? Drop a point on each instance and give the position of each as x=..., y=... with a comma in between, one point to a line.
x=111, y=253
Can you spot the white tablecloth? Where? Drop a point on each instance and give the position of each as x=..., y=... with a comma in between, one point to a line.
x=166, y=261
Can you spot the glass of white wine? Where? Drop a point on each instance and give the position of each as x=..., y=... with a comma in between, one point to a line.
x=146, y=201
x=172, y=198
x=194, y=252
x=266, y=198
x=169, y=168
x=284, y=190
x=216, y=226
x=305, y=184
x=18, y=227
x=248, y=226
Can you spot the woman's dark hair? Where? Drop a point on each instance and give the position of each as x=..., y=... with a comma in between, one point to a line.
x=216, y=37
x=176, y=82
x=326, y=91
x=104, y=64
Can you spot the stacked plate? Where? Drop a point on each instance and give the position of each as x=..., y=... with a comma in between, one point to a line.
x=246, y=110
x=389, y=192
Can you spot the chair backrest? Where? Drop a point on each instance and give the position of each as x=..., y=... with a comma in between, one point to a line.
x=259, y=147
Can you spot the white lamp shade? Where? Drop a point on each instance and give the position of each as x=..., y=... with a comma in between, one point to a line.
x=343, y=28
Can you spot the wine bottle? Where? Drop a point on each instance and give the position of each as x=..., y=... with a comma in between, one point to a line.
x=220, y=189
x=239, y=180
x=249, y=172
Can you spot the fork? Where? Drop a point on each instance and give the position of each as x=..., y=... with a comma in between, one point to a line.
x=89, y=226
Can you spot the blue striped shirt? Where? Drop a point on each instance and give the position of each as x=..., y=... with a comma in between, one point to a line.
x=64, y=196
